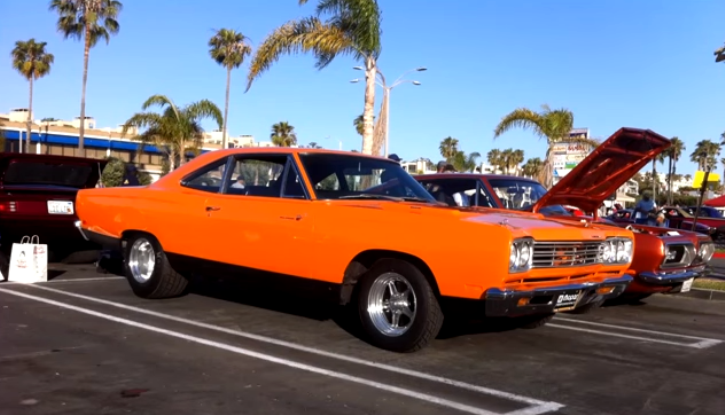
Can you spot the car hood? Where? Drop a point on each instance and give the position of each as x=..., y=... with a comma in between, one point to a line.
x=41, y=170
x=519, y=224
x=606, y=169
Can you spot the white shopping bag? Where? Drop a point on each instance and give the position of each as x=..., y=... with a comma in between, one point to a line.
x=28, y=261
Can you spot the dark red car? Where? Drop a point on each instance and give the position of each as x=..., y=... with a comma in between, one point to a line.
x=664, y=260
x=37, y=197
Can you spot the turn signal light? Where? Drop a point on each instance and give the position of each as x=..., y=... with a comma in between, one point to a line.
x=523, y=302
x=605, y=290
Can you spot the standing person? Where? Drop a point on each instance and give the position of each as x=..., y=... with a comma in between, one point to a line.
x=441, y=167
x=645, y=210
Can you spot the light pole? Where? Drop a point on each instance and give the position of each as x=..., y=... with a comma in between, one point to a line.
x=386, y=95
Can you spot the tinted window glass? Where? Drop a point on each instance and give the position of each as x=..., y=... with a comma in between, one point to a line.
x=208, y=178
x=335, y=176
x=257, y=176
x=522, y=194
x=49, y=173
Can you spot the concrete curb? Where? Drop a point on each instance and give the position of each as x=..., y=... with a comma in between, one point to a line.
x=704, y=294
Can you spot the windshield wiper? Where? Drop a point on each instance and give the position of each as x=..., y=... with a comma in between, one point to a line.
x=372, y=196
x=416, y=199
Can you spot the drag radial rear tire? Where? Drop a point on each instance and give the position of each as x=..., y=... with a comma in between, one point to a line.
x=148, y=270
x=397, y=307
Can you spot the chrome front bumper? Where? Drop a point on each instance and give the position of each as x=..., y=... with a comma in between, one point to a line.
x=511, y=303
x=80, y=229
x=670, y=278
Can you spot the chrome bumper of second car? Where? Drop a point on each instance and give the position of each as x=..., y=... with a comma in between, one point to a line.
x=668, y=278
x=512, y=303
x=80, y=229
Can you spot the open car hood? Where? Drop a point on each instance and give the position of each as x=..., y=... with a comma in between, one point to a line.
x=606, y=169
x=39, y=170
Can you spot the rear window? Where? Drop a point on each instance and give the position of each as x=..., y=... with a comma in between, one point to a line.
x=54, y=174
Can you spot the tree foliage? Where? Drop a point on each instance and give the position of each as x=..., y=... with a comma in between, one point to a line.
x=174, y=130
x=351, y=27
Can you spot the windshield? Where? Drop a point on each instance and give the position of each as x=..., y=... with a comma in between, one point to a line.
x=336, y=176
x=522, y=195
x=48, y=173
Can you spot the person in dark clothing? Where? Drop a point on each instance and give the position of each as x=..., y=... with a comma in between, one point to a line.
x=130, y=176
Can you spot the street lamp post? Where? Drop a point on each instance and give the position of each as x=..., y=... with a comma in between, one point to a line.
x=386, y=95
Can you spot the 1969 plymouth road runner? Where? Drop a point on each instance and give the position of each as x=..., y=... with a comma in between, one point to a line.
x=356, y=222
x=665, y=260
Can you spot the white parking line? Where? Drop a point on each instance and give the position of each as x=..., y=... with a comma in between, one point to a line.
x=537, y=406
x=60, y=281
x=701, y=343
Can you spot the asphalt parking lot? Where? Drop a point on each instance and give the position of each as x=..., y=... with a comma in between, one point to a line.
x=82, y=343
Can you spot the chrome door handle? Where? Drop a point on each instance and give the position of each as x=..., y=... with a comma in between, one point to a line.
x=212, y=208
x=298, y=217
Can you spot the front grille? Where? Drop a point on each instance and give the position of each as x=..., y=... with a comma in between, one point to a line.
x=679, y=255
x=566, y=254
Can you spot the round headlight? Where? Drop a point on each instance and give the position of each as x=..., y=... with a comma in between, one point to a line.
x=605, y=250
x=513, y=256
x=524, y=254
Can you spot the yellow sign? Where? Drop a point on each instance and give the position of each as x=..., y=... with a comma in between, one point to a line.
x=700, y=176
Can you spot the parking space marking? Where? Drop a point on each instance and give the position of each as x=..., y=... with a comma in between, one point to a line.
x=701, y=343
x=58, y=281
x=540, y=407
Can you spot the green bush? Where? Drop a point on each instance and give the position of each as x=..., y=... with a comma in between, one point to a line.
x=113, y=173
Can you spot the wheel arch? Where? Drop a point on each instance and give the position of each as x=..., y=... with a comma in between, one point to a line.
x=363, y=261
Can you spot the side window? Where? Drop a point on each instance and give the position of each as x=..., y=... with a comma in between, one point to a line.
x=260, y=176
x=293, y=186
x=209, y=178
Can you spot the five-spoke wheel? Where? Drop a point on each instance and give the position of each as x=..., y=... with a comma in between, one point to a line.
x=397, y=306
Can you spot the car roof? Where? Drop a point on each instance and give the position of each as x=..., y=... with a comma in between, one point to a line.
x=471, y=176
x=293, y=150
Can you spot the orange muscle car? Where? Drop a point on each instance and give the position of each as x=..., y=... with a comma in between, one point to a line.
x=359, y=223
x=665, y=260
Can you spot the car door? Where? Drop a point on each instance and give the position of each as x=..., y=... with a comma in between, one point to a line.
x=180, y=218
x=261, y=219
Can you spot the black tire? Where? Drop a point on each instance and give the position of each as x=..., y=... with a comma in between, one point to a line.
x=4, y=265
x=163, y=281
x=427, y=314
x=535, y=321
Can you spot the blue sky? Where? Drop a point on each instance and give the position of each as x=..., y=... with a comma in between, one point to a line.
x=614, y=63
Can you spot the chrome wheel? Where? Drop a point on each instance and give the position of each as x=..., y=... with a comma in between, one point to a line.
x=392, y=304
x=142, y=260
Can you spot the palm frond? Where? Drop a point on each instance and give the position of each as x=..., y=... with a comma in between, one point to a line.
x=204, y=109
x=522, y=118
x=305, y=35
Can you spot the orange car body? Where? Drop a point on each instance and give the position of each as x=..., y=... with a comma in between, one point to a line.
x=321, y=239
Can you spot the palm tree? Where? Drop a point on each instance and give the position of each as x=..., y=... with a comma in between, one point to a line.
x=33, y=62
x=494, y=158
x=448, y=148
x=353, y=28
x=705, y=154
x=283, y=134
x=532, y=168
x=228, y=48
x=554, y=125
x=175, y=129
x=673, y=153
x=465, y=162
x=511, y=158
x=359, y=124
x=313, y=145
x=688, y=177
x=89, y=20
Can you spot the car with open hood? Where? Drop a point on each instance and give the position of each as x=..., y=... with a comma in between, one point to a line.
x=665, y=260
x=358, y=226
x=37, y=197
